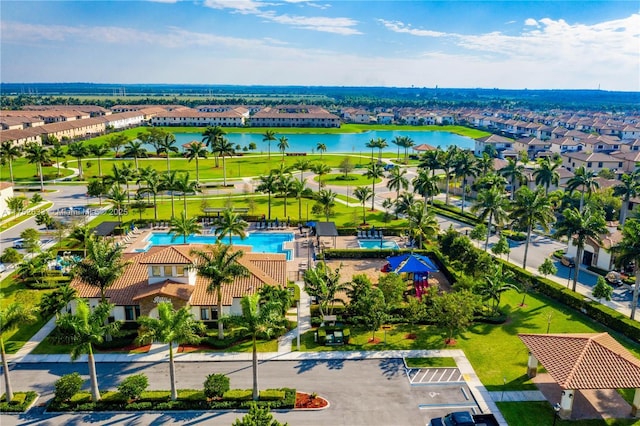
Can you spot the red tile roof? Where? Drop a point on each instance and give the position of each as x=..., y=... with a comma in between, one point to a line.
x=264, y=269
x=585, y=361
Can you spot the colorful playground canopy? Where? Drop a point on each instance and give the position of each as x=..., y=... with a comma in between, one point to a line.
x=411, y=263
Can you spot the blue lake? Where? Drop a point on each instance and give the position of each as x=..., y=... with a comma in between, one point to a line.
x=342, y=142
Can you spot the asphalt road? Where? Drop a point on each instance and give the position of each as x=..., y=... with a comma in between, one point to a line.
x=363, y=392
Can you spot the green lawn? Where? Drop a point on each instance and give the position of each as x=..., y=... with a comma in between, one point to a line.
x=23, y=171
x=430, y=362
x=541, y=413
x=495, y=351
x=16, y=220
x=12, y=290
x=353, y=181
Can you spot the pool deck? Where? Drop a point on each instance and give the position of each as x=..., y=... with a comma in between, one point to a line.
x=303, y=247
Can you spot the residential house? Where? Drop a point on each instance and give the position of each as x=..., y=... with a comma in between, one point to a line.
x=594, y=161
x=500, y=143
x=6, y=192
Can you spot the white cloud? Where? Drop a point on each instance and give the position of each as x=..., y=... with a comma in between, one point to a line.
x=240, y=6
x=399, y=27
x=530, y=22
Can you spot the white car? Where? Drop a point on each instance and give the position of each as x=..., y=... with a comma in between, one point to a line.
x=19, y=243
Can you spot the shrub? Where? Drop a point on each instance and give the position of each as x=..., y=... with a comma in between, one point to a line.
x=20, y=402
x=133, y=386
x=67, y=386
x=11, y=255
x=271, y=395
x=216, y=385
x=238, y=395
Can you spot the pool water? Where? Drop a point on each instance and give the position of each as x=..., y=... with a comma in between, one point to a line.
x=261, y=242
x=375, y=244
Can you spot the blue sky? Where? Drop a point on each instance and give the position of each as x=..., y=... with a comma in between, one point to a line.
x=501, y=44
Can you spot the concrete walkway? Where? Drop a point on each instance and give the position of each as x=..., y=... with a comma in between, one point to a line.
x=517, y=396
x=286, y=342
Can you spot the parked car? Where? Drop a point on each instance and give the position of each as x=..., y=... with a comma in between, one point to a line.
x=464, y=418
x=568, y=261
x=19, y=243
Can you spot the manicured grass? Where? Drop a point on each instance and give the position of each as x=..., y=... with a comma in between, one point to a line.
x=541, y=413
x=23, y=171
x=12, y=290
x=494, y=350
x=430, y=362
x=354, y=180
x=343, y=215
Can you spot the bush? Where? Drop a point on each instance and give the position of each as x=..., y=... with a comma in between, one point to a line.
x=20, y=402
x=238, y=395
x=271, y=395
x=216, y=385
x=67, y=386
x=133, y=386
x=11, y=255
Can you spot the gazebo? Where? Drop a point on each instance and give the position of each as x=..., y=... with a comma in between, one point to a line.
x=583, y=361
x=424, y=147
x=326, y=229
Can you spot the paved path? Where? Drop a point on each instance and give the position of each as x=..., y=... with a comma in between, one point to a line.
x=517, y=396
x=286, y=341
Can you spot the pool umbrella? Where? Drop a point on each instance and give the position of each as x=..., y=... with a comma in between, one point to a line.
x=411, y=263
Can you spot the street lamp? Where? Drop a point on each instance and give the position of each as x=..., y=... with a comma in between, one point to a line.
x=569, y=277
x=556, y=410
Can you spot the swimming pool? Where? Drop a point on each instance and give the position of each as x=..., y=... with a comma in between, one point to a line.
x=375, y=244
x=261, y=242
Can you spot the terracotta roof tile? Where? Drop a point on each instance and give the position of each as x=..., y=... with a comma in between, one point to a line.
x=166, y=288
x=585, y=361
x=165, y=255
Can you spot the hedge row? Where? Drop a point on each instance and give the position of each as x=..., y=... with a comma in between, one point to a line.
x=188, y=399
x=20, y=402
x=368, y=254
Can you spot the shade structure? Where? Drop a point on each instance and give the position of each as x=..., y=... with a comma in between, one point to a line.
x=411, y=263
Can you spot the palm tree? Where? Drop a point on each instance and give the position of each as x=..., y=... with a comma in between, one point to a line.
x=514, y=173
x=183, y=226
x=448, y=161
x=326, y=199
x=121, y=176
x=14, y=315
x=283, y=144
x=466, y=166
x=321, y=148
x=405, y=142
x=81, y=234
x=258, y=319
x=431, y=161
x=211, y=137
x=495, y=284
x=303, y=165
x=220, y=266
x=485, y=162
x=134, y=149
x=380, y=143
x=297, y=190
x=56, y=152
x=79, y=151
x=285, y=186
x=230, y=224
x=531, y=209
x=374, y=171
x=194, y=151
x=268, y=184
x=363, y=194
x=629, y=188
x=320, y=169
x=371, y=144
x=578, y=226
x=152, y=186
x=37, y=155
x=117, y=197
x=426, y=185
x=185, y=186
x=397, y=181
x=491, y=205
x=10, y=152
x=323, y=283
x=404, y=202
x=268, y=137
x=547, y=174
x=222, y=149
x=167, y=146
x=171, y=326
x=168, y=182
x=423, y=225
x=626, y=252
x=103, y=265
x=585, y=180
x=90, y=326
x=99, y=150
